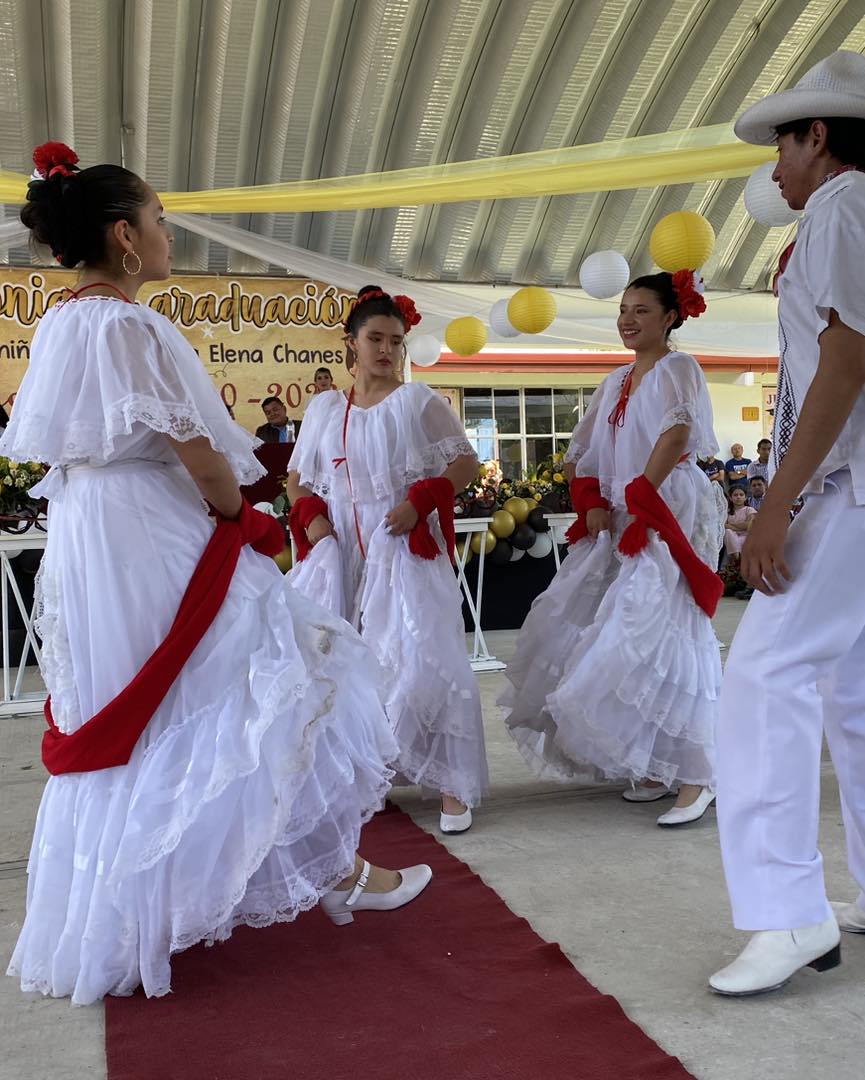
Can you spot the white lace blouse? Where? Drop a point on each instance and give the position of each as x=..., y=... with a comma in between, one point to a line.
x=674, y=392
x=106, y=379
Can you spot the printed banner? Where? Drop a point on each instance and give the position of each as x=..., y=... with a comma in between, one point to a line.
x=256, y=337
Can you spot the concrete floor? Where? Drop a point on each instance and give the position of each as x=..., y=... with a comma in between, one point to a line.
x=641, y=912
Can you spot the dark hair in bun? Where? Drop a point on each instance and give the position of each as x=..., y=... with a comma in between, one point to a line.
x=378, y=303
x=70, y=214
x=661, y=284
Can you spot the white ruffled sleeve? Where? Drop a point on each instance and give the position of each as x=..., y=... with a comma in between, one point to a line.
x=588, y=431
x=307, y=459
x=97, y=369
x=437, y=438
x=685, y=400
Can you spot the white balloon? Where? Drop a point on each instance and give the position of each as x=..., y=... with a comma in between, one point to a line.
x=517, y=554
x=500, y=324
x=605, y=274
x=764, y=201
x=424, y=350
x=542, y=546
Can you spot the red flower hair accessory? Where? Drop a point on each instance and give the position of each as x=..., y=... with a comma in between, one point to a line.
x=53, y=159
x=689, y=294
x=408, y=311
x=404, y=304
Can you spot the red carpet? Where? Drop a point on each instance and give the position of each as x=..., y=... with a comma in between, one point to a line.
x=451, y=987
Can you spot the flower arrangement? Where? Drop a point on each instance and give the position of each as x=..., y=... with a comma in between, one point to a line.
x=545, y=485
x=16, y=480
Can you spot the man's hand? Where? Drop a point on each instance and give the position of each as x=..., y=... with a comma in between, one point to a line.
x=318, y=529
x=597, y=521
x=402, y=519
x=763, y=565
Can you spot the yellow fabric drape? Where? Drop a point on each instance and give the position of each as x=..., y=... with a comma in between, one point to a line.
x=648, y=161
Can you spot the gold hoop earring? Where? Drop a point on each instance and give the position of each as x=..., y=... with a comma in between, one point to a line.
x=132, y=273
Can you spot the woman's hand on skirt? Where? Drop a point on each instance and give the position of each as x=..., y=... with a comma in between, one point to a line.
x=402, y=519
x=597, y=521
x=318, y=529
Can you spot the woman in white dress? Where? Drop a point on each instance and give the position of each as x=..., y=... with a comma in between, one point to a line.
x=242, y=799
x=617, y=670
x=369, y=468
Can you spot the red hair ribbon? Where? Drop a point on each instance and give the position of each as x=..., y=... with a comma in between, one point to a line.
x=53, y=159
x=689, y=300
x=404, y=304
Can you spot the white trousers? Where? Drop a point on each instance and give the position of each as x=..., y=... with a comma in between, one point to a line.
x=796, y=669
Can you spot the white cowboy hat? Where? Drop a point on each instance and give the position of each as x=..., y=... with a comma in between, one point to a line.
x=834, y=87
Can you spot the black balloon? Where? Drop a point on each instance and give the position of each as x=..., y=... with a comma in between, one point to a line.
x=523, y=537
x=537, y=520
x=501, y=553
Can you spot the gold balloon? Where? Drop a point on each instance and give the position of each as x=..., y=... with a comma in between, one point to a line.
x=531, y=310
x=283, y=560
x=503, y=524
x=519, y=508
x=488, y=539
x=682, y=241
x=466, y=336
x=461, y=547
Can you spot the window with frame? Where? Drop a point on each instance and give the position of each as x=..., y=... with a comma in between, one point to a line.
x=521, y=427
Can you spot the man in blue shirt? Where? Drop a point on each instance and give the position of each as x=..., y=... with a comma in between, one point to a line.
x=737, y=468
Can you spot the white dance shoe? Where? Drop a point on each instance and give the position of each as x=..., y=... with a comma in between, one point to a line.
x=681, y=815
x=342, y=905
x=644, y=793
x=771, y=957
x=456, y=823
x=850, y=917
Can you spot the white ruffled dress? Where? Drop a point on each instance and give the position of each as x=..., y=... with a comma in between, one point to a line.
x=617, y=671
x=408, y=609
x=243, y=800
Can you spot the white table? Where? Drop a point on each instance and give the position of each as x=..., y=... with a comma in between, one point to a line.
x=15, y=700
x=481, y=658
x=559, y=525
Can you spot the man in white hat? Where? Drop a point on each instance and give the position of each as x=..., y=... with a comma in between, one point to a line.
x=797, y=665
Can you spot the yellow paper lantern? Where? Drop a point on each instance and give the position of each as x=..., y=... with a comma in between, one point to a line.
x=487, y=539
x=283, y=560
x=503, y=524
x=518, y=508
x=466, y=336
x=531, y=310
x=682, y=241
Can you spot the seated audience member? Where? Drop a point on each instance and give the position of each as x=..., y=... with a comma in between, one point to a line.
x=278, y=429
x=757, y=488
x=738, y=521
x=737, y=468
x=713, y=468
x=322, y=381
x=760, y=467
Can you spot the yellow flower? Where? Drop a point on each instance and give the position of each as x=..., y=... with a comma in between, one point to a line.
x=559, y=478
x=558, y=457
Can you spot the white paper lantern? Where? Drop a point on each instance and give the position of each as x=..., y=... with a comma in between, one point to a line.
x=542, y=546
x=605, y=274
x=763, y=198
x=424, y=350
x=499, y=321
